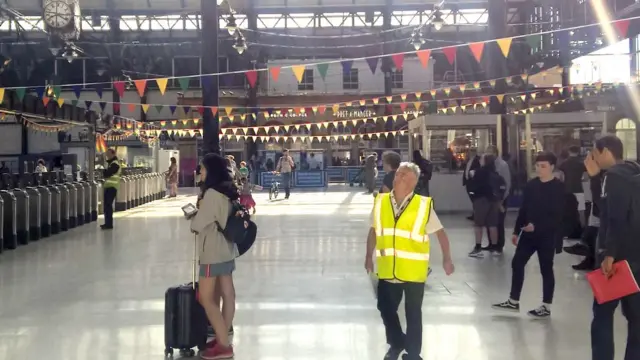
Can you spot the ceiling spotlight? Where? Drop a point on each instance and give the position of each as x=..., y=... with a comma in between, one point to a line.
x=416, y=40
x=437, y=20
x=240, y=45
x=231, y=25
x=69, y=54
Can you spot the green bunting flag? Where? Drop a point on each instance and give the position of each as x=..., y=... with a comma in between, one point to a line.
x=20, y=92
x=322, y=69
x=184, y=83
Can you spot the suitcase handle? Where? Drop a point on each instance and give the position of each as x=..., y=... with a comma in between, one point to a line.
x=195, y=261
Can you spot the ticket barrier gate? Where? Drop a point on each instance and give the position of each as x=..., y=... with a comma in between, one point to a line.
x=22, y=209
x=9, y=219
x=48, y=180
x=71, y=205
x=86, y=202
x=79, y=206
x=91, y=204
x=122, y=198
x=65, y=201
x=40, y=206
x=33, y=209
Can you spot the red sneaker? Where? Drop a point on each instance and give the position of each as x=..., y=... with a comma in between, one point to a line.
x=217, y=352
x=212, y=343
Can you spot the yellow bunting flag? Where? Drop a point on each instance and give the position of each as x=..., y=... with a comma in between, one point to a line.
x=447, y=91
x=500, y=98
x=418, y=95
x=417, y=104
x=60, y=102
x=162, y=84
x=1, y=95
x=228, y=110
x=335, y=108
x=505, y=45
x=376, y=101
x=298, y=71
x=145, y=107
x=433, y=93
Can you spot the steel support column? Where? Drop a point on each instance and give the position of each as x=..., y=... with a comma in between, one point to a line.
x=497, y=65
x=251, y=147
x=209, y=57
x=387, y=68
x=563, y=46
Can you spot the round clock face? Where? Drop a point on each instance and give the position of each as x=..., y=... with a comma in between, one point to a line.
x=57, y=14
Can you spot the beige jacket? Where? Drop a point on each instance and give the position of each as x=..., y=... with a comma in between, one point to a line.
x=212, y=245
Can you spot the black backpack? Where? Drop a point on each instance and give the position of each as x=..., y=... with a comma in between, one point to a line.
x=239, y=229
x=498, y=186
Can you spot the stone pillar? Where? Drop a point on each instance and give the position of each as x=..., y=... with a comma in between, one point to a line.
x=209, y=57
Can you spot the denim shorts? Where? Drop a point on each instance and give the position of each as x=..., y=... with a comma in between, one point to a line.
x=211, y=270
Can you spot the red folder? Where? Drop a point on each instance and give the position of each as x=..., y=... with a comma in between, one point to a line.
x=621, y=284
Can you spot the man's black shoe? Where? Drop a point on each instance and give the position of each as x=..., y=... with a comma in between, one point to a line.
x=577, y=249
x=105, y=227
x=393, y=354
x=585, y=265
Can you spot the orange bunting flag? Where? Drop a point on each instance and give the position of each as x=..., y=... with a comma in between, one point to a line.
x=462, y=87
x=131, y=107
x=418, y=95
x=433, y=93
x=476, y=85
x=476, y=50
x=500, y=98
x=376, y=101
x=275, y=72
x=389, y=99
x=424, y=56
x=417, y=104
x=447, y=91
x=141, y=86
x=45, y=100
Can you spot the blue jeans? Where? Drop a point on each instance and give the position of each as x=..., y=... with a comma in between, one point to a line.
x=602, y=345
x=286, y=182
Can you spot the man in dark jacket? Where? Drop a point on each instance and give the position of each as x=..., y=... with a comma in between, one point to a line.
x=111, y=185
x=473, y=164
x=617, y=240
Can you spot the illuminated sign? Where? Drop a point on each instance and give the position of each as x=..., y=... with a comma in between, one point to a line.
x=354, y=114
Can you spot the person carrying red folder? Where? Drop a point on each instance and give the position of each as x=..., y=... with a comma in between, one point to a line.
x=618, y=239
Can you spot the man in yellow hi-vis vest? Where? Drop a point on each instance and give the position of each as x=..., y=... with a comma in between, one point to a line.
x=399, y=235
x=111, y=175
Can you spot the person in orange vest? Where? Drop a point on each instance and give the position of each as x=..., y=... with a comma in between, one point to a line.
x=399, y=237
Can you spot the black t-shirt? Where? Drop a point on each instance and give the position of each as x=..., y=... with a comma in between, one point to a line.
x=543, y=204
x=573, y=169
x=388, y=180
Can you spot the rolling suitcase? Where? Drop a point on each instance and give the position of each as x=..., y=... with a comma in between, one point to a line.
x=185, y=321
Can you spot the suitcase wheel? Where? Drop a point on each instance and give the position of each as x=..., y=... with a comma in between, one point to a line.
x=168, y=352
x=187, y=353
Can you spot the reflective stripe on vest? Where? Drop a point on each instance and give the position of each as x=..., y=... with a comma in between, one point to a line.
x=402, y=244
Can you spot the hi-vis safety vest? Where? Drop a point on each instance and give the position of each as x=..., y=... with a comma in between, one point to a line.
x=113, y=181
x=402, y=244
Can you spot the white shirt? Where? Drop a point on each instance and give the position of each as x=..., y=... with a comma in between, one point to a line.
x=433, y=224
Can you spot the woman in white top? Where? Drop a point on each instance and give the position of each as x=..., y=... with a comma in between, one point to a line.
x=41, y=168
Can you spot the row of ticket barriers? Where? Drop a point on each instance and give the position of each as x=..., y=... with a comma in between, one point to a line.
x=38, y=205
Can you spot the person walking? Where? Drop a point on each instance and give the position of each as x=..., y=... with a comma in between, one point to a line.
x=617, y=241
x=390, y=162
x=111, y=175
x=399, y=236
x=487, y=190
x=172, y=177
x=285, y=167
x=473, y=164
x=426, y=171
x=505, y=172
x=371, y=172
x=537, y=228
x=573, y=170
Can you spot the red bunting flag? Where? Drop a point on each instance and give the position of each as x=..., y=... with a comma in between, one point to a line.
x=214, y=110
x=424, y=56
x=131, y=107
x=321, y=109
x=45, y=100
x=450, y=54
x=119, y=86
x=403, y=106
x=252, y=77
x=398, y=61
x=622, y=27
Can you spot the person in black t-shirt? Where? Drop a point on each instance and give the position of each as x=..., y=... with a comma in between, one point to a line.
x=537, y=230
x=390, y=162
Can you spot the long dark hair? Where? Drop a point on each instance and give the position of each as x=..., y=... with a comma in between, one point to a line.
x=218, y=177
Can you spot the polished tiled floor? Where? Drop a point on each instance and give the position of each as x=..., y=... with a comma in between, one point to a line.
x=302, y=291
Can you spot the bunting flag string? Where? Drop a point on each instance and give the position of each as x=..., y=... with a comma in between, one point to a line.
x=621, y=26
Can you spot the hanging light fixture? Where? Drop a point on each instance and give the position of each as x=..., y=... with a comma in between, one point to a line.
x=240, y=45
x=437, y=21
x=416, y=40
x=231, y=27
x=69, y=54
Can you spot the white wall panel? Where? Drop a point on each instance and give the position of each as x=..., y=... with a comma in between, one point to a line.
x=10, y=139
x=415, y=78
x=42, y=142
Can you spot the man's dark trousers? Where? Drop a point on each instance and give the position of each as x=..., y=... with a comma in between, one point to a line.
x=545, y=247
x=108, y=200
x=389, y=297
x=501, y=217
x=602, y=343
